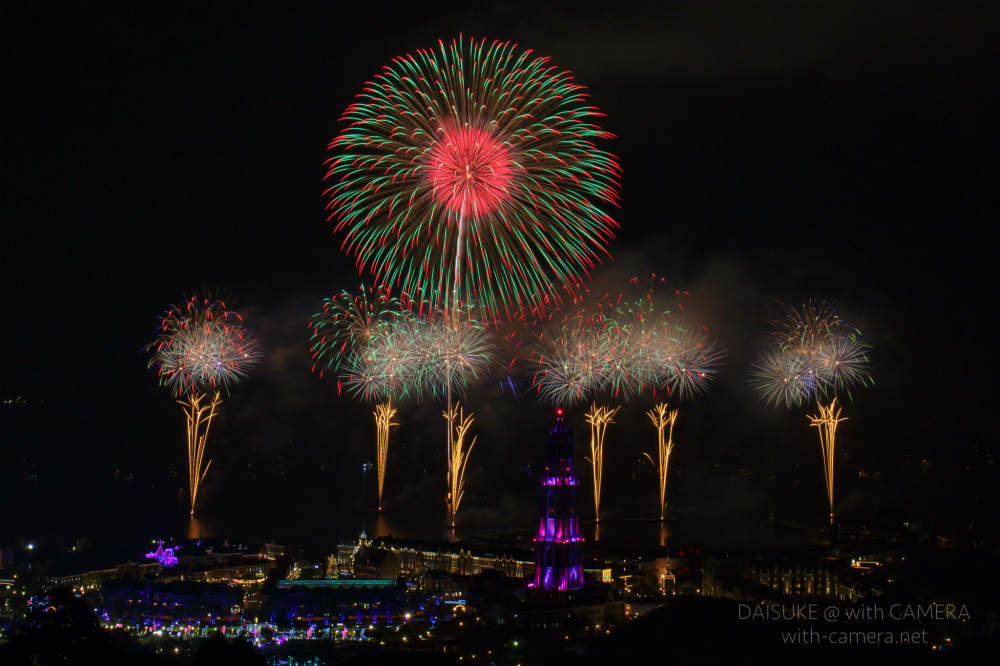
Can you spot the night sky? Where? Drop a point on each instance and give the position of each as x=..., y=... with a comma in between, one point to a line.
x=771, y=151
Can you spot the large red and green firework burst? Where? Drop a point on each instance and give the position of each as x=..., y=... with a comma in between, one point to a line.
x=476, y=161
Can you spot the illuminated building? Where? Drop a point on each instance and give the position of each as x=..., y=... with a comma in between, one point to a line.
x=346, y=553
x=386, y=557
x=236, y=568
x=808, y=579
x=165, y=556
x=272, y=551
x=557, y=542
x=771, y=579
x=556, y=598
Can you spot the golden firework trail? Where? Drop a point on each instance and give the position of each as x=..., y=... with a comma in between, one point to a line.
x=599, y=419
x=199, y=419
x=663, y=421
x=458, y=457
x=383, y=421
x=826, y=423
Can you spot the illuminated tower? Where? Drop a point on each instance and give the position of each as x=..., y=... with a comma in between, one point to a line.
x=557, y=544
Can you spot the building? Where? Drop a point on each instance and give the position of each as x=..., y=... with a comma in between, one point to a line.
x=556, y=598
x=557, y=542
x=232, y=568
x=390, y=558
x=765, y=579
x=809, y=579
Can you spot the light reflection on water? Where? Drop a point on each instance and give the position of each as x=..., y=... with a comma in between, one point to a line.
x=320, y=525
x=642, y=534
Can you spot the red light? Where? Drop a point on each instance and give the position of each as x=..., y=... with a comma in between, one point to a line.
x=559, y=412
x=468, y=166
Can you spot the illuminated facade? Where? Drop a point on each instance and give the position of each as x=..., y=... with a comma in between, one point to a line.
x=388, y=558
x=165, y=556
x=808, y=579
x=557, y=541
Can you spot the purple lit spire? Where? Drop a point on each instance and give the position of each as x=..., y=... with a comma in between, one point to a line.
x=165, y=556
x=557, y=542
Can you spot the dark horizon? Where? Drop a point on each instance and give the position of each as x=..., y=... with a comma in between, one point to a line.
x=830, y=151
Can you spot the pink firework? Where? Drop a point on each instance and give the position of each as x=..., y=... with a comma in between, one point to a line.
x=470, y=172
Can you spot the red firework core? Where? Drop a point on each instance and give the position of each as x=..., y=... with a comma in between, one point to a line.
x=467, y=165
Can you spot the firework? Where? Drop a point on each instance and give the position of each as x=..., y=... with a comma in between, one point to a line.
x=202, y=348
x=388, y=366
x=784, y=379
x=426, y=358
x=453, y=355
x=649, y=349
x=806, y=327
x=663, y=421
x=383, y=421
x=690, y=362
x=826, y=424
x=625, y=347
x=653, y=347
x=599, y=418
x=199, y=418
x=815, y=354
x=347, y=325
x=350, y=335
x=471, y=173
x=842, y=362
x=459, y=458
x=423, y=358
x=570, y=363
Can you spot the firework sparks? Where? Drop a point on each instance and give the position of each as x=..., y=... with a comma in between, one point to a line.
x=423, y=357
x=454, y=355
x=350, y=335
x=663, y=420
x=623, y=347
x=470, y=175
x=806, y=327
x=599, y=418
x=784, y=379
x=651, y=349
x=843, y=362
x=626, y=347
x=471, y=171
x=815, y=355
x=826, y=422
x=383, y=421
x=348, y=325
x=570, y=364
x=199, y=419
x=202, y=347
x=459, y=458
x=426, y=357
